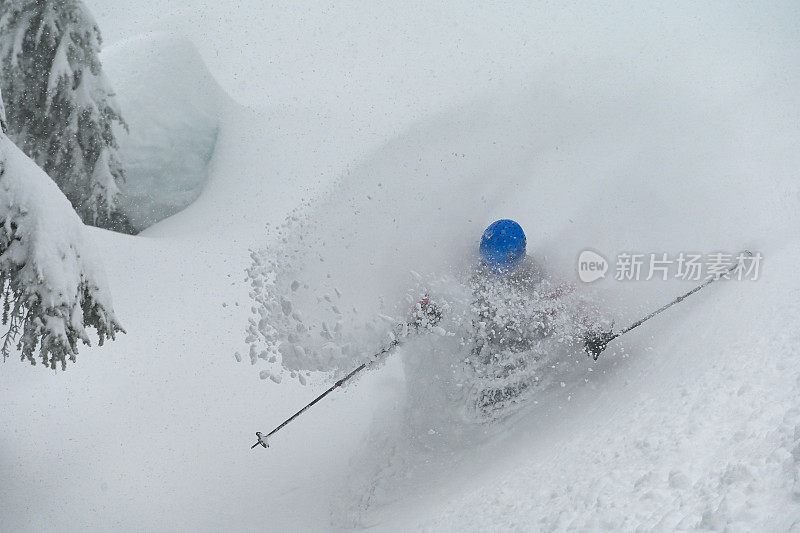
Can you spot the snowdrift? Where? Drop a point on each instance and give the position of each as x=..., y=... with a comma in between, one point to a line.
x=172, y=107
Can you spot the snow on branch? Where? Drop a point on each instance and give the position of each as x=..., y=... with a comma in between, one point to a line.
x=52, y=286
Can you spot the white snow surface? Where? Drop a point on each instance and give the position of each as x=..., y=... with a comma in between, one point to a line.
x=617, y=128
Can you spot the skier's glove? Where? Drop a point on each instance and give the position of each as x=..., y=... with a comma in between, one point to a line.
x=426, y=314
x=594, y=342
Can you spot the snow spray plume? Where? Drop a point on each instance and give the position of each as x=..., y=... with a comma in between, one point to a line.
x=426, y=316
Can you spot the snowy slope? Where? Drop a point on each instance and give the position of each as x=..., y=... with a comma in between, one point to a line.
x=670, y=136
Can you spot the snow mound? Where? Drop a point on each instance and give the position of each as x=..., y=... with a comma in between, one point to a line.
x=49, y=272
x=172, y=106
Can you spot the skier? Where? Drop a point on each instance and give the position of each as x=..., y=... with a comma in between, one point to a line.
x=519, y=308
x=524, y=319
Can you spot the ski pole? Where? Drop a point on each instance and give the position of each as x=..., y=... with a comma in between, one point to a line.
x=428, y=314
x=262, y=439
x=596, y=344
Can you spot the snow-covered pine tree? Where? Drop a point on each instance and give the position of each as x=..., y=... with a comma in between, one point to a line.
x=59, y=104
x=51, y=286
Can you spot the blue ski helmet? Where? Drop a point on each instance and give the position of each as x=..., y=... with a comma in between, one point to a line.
x=503, y=245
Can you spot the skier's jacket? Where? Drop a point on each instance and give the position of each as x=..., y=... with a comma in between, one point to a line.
x=516, y=314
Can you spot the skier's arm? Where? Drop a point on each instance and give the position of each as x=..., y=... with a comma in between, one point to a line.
x=425, y=313
x=596, y=330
